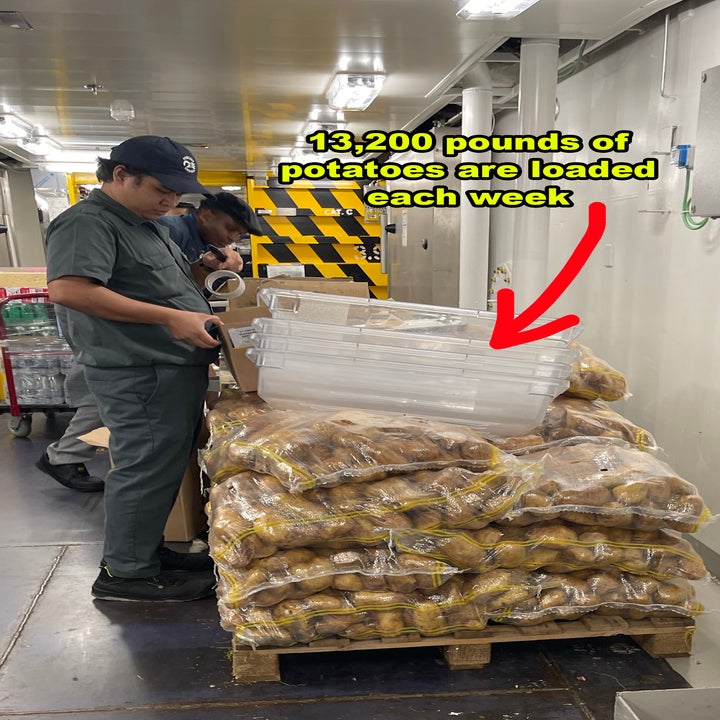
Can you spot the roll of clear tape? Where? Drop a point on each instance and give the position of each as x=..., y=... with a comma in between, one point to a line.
x=225, y=275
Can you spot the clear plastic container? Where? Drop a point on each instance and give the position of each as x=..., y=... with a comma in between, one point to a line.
x=410, y=357
x=34, y=317
x=39, y=386
x=496, y=404
x=298, y=336
x=391, y=315
x=38, y=363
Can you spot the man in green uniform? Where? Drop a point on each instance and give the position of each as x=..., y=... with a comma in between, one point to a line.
x=138, y=324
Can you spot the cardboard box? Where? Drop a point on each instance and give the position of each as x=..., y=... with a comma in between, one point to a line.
x=334, y=286
x=237, y=321
x=235, y=337
x=17, y=278
x=187, y=518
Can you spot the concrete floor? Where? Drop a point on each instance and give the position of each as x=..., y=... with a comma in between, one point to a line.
x=64, y=656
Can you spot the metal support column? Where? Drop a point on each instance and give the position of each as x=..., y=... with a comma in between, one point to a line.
x=477, y=105
x=538, y=86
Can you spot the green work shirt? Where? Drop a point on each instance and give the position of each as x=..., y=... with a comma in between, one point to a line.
x=101, y=239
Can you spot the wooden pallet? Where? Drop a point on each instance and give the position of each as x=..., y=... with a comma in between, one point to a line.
x=660, y=637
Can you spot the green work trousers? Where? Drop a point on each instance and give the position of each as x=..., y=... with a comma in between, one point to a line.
x=154, y=415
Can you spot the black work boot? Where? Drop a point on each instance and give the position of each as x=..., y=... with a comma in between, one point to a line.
x=74, y=475
x=171, y=561
x=165, y=587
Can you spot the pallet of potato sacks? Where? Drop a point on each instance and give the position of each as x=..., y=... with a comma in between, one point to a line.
x=658, y=636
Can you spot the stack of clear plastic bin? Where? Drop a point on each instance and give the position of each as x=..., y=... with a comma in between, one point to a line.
x=38, y=356
x=39, y=365
x=335, y=351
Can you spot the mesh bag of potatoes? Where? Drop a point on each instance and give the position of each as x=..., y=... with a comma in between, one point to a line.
x=556, y=547
x=307, y=449
x=298, y=573
x=462, y=603
x=600, y=481
x=594, y=379
x=254, y=515
x=465, y=602
x=232, y=408
x=568, y=417
x=607, y=592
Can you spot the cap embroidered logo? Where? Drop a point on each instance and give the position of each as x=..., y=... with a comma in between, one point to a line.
x=189, y=163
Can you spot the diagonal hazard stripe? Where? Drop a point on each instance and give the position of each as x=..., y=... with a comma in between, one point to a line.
x=350, y=226
x=273, y=182
x=303, y=240
x=305, y=226
x=284, y=227
x=357, y=274
x=369, y=273
x=266, y=226
x=275, y=253
x=300, y=228
x=326, y=199
x=261, y=201
x=327, y=253
x=377, y=282
x=350, y=199
x=312, y=254
x=280, y=198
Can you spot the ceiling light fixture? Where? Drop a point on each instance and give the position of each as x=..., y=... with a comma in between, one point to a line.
x=473, y=9
x=11, y=126
x=314, y=126
x=122, y=110
x=94, y=87
x=69, y=167
x=79, y=156
x=354, y=91
x=40, y=145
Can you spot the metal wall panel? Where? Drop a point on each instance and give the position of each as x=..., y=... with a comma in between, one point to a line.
x=706, y=174
x=424, y=251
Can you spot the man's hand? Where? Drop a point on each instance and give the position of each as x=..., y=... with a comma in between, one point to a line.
x=85, y=295
x=190, y=328
x=233, y=262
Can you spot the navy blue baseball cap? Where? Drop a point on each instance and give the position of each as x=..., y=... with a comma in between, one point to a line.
x=167, y=161
x=236, y=208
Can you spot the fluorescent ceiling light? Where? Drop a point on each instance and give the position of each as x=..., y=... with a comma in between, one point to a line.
x=313, y=126
x=354, y=91
x=73, y=156
x=40, y=145
x=473, y=9
x=69, y=167
x=69, y=161
x=11, y=126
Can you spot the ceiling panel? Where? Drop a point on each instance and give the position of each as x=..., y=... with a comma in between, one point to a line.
x=242, y=76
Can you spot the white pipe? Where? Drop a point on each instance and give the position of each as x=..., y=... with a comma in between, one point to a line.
x=664, y=59
x=536, y=115
x=477, y=105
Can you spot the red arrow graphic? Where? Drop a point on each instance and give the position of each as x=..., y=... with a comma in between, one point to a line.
x=509, y=330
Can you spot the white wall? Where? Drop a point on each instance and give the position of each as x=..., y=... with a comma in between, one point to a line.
x=655, y=313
